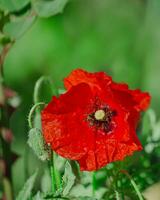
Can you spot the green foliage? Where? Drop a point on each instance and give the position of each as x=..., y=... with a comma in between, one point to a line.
x=8, y=189
x=13, y=5
x=68, y=179
x=18, y=26
x=17, y=16
x=45, y=181
x=117, y=195
x=44, y=90
x=38, y=196
x=36, y=142
x=119, y=37
x=48, y=8
x=25, y=192
x=84, y=198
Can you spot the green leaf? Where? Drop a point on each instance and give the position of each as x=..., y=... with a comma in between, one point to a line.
x=148, y=125
x=48, y=8
x=13, y=5
x=25, y=193
x=45, y=181
x=68, y=179
x=15, y=29
x=81, y=191
x=36, y=142
x=83, y=198
x=38, y=196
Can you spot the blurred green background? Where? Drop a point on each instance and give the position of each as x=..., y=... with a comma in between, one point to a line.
x=121, y=38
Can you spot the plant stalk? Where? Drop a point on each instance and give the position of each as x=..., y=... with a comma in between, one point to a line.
x=94, y=184
x=52, y=170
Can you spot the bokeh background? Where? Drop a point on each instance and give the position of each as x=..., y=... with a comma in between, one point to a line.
x=121, y=38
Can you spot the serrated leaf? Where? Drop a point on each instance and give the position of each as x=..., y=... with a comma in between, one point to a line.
x=15, y=29
x=48, y=8
x=25, y=193
x=81, y=191
x=36, y=142
x=68, y=179
x=13, y=5
x=45, y=181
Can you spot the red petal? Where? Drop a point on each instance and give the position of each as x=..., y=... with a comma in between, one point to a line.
x=88, y=162
x=63, y=122
x=76, y=98
x=106, y=150
x=65, y=127
x=95, y=80
x=126, y=149
x=130, y=99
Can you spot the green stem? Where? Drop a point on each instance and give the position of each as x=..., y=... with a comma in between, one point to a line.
x=136, y=189
x=32, y=112
x=37, y=88
x=51, y=164
x=57, y=175
x=57, y=179
x=133, y=183
x=94, y=184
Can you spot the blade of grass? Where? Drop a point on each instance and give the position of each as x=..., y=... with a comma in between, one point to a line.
x=133, y=183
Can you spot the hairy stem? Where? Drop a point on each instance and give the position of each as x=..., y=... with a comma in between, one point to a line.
x=30, y=116
x=51, y=164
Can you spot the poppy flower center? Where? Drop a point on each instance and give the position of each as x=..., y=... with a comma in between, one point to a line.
x=102, y=119
x=99, y=115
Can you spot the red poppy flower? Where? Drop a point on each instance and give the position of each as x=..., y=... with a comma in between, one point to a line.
x=95, y=121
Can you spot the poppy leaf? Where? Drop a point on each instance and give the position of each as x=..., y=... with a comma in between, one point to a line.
x=36, y=142
x=68, y=179
x=15, y=29
x=11, y=5
x=48, y=8
x=25, y=193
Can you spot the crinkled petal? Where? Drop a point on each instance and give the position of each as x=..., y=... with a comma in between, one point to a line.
x=66, y=127
x=94, y=80
x=130, y=99
x=88, y=162
x=126, y=149
x=105, y=148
